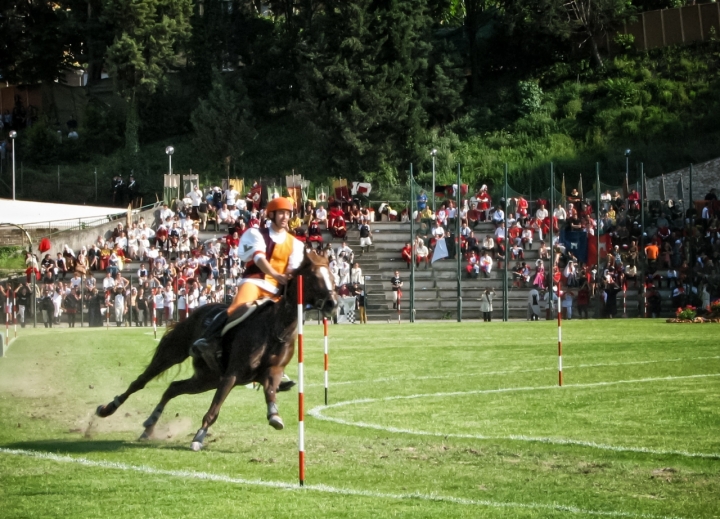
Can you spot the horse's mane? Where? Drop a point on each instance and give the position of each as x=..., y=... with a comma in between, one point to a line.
x=313, y=259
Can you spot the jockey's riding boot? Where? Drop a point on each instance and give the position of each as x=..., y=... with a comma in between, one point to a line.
x=206, y=347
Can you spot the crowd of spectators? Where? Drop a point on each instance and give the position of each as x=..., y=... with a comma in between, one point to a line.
x=165, y=268
x=678, y=249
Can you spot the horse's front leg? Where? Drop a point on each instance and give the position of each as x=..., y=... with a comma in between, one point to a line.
x=270, y=384
x=223, y=390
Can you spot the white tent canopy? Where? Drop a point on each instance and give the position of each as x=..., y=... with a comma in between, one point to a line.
x=34, y=214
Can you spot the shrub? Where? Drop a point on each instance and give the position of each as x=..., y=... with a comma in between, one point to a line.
x=688, y=313
x=572, y=108
x=622, y=90
x=530, y=96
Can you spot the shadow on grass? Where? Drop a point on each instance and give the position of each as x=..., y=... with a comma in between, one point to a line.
x=82, y=446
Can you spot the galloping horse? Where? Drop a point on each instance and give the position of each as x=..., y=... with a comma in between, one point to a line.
x=257, y=350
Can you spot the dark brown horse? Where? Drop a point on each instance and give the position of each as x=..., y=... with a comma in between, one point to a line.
x=256, y=350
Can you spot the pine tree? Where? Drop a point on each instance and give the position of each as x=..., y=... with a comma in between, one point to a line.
x=147, y=36
x=223, y=123
x=363, y=83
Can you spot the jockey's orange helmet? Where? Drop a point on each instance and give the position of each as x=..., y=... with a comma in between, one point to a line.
x=280, y=203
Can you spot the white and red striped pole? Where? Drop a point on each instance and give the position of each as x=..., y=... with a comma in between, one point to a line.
x=301, y=384
x=624, y=299
x=14, y=313
x=559, y=308
x=399, y=297
x=154, y=315
x=7, y=317
x=325, y=335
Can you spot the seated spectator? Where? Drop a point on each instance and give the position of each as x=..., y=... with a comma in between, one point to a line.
x=337, y=227
x=406, y=254
x=422, y=254
x=314, y=233
x=321, y=216
x=486, y=264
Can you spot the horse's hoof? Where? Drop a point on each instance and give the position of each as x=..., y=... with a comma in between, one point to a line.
x=286, y=385
x=144, y=437
x=100, y=411
x=196, y=446
x=276, y=422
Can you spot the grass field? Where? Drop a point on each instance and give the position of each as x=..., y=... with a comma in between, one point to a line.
x=425, y=420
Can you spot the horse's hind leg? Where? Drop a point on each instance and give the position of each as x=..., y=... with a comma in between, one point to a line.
x=150, y=373
x=190, y=386
x=271, y=383
x=223, y=390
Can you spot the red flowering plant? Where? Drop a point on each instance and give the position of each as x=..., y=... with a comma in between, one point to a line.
x=714, y=309
x=686, y=314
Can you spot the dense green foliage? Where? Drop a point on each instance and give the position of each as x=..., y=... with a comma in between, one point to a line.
x=633, y=432
x=362, y=89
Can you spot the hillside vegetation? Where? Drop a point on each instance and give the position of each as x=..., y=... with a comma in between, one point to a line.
x=361, y=90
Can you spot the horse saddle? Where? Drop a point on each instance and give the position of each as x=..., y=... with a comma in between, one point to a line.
x=233, y=321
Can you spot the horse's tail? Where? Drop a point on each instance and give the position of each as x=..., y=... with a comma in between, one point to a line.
x=174, y=346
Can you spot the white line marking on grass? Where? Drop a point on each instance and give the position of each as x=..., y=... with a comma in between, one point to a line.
x=317, y=412
x=326, y=489
x=510, y=371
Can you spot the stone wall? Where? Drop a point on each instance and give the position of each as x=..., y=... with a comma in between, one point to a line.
x=705, y=177
x=76, y=240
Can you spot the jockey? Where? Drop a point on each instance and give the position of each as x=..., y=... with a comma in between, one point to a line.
x=270, y=255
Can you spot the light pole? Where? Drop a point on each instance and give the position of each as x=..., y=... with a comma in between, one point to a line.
x=433, y=153
x=627, y=169
x=13, y=135
x=169, y=150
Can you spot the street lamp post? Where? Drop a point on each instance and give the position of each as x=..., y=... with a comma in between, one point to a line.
x=433, y=153
x=170, y=150
x=13, y=135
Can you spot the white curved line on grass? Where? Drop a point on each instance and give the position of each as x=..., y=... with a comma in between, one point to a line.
x=326, y=489
x=317, y=412
x=509, y=371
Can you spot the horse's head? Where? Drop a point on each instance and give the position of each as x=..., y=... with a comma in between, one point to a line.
x=318, y=284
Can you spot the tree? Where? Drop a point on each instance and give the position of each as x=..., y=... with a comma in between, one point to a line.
x=147, y=36
x=363, y=83
x=35, y=42
x=223, y=123
x=580, y=21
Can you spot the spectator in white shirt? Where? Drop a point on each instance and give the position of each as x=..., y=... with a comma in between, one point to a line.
x=231, y=196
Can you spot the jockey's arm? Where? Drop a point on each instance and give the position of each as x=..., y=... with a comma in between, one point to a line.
x=265, y=266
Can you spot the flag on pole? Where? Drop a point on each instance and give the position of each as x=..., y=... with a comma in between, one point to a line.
x=362, y=188
x=680, y=189
x=580, y=189
x=440, y=250
x=662, y=187
x=626, y=187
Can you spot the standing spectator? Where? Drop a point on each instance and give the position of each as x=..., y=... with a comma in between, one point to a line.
x=72, y=305
x=159, y=300
x=360, y=302
x=196, y=197
x=118, y=304
x=486, y=306
x=22, y=300
x=396, y=284
x=567, y=304
x=365, y=237
x=533, y=305
x=583, y=300
x=231, y=196
x=611, y=292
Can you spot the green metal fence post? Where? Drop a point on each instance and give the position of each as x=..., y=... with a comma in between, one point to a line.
x=458, y=254
x=412, y=247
